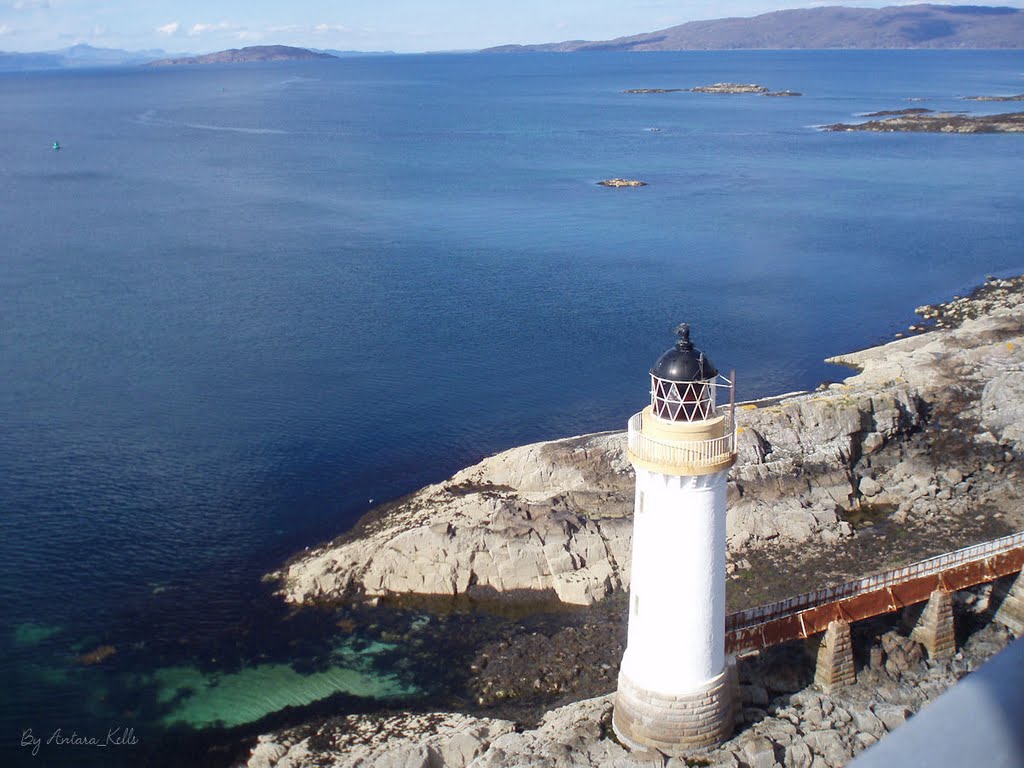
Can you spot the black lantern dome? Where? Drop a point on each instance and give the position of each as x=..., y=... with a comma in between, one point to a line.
x=683, y=362
x=682, y=382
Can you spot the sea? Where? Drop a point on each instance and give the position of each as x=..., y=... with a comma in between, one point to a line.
x=240, y=306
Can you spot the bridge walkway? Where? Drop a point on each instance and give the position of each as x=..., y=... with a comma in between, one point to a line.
x=811, y=613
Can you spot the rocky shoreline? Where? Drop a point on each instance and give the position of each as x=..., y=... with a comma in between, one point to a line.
x=837, y=467
x=915, y=454
x=783, y=720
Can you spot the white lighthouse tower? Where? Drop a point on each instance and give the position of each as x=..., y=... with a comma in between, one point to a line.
x=674, y=693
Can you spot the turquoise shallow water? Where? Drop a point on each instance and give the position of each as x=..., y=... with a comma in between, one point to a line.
x=240, y=303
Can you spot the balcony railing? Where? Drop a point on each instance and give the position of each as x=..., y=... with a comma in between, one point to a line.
x=678, y=453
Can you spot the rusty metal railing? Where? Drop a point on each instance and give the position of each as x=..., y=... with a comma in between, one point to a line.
x=806, y=614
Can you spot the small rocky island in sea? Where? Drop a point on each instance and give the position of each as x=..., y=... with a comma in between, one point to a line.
x=921, y=120
x=1018, y=97
x=899, y=112
x=729, y=88
x=718, y=88
x=939, y=122
x=654, y=90
x=622, y=183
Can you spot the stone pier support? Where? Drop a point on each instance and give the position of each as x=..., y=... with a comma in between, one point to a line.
x=835, y=658
x=732, y=678
x=1011, y=612
x=934, y=630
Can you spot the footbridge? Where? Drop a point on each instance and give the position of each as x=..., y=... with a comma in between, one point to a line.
x=832, y=610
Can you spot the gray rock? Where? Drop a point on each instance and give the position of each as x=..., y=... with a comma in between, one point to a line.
x=1002, y=405
x=872, y=443
x=720, y=758
x=723, y=759
x=401, y=741
x=891, y=715
x=869, y=486
x=953, y=476
x=546, y=517
x=798, y=755
x=864, y=721
x=862, y=741
x=814, y=716
x=829, y=744
x=840, y=716
x=759, y=752
x=266, y=754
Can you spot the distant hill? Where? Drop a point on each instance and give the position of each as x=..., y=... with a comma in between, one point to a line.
x=77, y=56
x=88, y=56
x=246, y=55
x=905, y=26
x=352, y=54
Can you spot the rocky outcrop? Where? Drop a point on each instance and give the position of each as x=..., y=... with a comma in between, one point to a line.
x=551, y=518
x=995, y=295
x=796, y=473
x=928, y=426
x=653, y=90
x=730, y=88
x=396, y=741
x=718, y=88
x=622, y=183
x=939, y=122
x=899, y=112
x=1017, y=97
x=782, y=721
x=555, y=517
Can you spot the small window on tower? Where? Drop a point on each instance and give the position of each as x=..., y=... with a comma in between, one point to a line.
x=636, y=605
x=640, y=503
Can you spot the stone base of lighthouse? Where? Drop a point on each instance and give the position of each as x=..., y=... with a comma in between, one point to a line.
x=675, y=723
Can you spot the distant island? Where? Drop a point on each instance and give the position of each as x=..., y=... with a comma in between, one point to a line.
x=248, y=55
x=719, y=88
x=622, y=183
x=907, y=26
x=925, y=121
x=78, y=56
x=83, y=56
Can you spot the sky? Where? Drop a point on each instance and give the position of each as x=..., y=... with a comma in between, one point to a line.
x=404, y=26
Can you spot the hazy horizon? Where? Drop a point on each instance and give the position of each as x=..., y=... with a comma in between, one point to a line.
x=400, y=26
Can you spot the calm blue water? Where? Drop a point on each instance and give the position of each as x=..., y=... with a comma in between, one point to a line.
x=241, y=303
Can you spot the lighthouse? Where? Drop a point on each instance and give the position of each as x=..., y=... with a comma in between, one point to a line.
x=674, y=690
